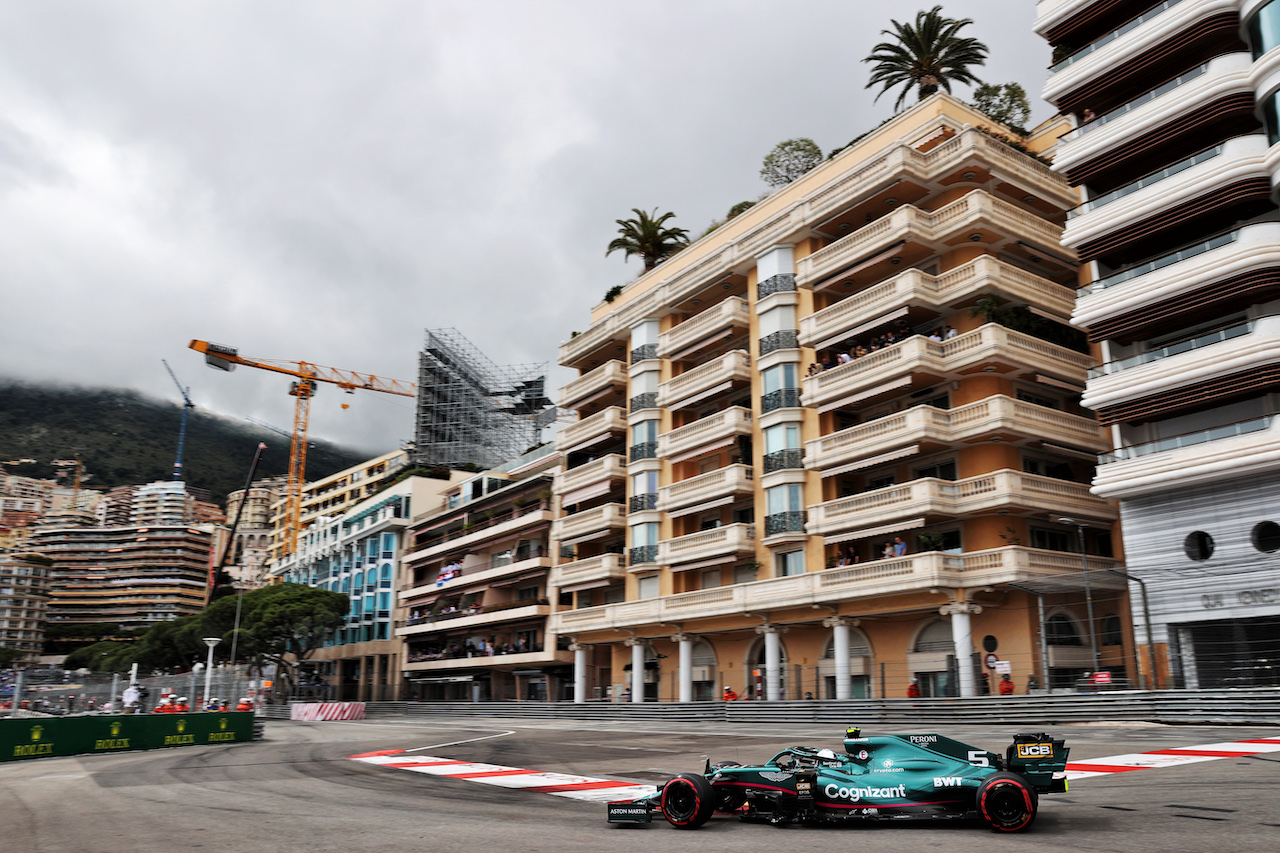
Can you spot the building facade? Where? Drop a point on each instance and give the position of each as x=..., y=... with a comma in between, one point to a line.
x=829, y=448
x=24, y=596
x=1174, y=145
x=358, y=553
x=477, y=589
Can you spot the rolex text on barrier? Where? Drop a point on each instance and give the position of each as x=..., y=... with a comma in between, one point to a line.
x=48, y=736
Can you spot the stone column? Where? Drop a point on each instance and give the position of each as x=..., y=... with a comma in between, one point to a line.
x=840, y=650
x=772, y=662
x=637, y=669
x=686, y=665
x=962, y=637
x=579, y=672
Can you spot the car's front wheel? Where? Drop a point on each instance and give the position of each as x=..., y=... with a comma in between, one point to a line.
x=688, y=801
x=1007, y=802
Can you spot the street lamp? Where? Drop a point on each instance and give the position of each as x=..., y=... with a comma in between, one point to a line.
x=208, y=667
x=1088, y=588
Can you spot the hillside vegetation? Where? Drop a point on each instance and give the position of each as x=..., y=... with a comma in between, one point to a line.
x=124, y=438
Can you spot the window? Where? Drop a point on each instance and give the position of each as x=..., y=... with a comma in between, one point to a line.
x=778, y=319
x=787, y=498
x=789, y=563
x=747, y=573
x=1053, y=540
x=780, y=377
x=388, y=546
x=881, y=481
x=1266, y=537
x=644, y=432
x=1047, y=468
x=1198, y=545
x=944, y=470
x=647, y=587
x=711, y=579
x=1038, y=399
x=781, y=437
x=1061, y=631
x=1112, y=631
x=527, y=593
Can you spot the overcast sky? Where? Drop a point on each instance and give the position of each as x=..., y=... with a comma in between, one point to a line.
x=322, y=181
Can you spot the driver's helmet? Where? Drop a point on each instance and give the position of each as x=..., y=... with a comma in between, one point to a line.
x=826, y=753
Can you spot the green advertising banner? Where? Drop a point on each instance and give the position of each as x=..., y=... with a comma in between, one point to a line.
x=46, y=736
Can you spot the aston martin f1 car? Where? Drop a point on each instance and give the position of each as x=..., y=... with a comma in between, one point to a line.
x=917, y=776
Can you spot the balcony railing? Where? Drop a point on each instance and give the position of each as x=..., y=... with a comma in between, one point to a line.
x=611, y=467
x=1189, y=439
x=916, y=572
x=781, y=339
x=712, y=428
x=639, y=555
x=612, y=419
x=1146, y=181
x=610, y=374
x=785, y=522
x=647, y=400
x=1215, y=337
x=783, y=398
x=727, y=541
x=641, y=503
x=592, y=569
x=729, y=480
x=1160, y=263
x=1140, y=101
x=605, y=517
x=644, y=352
x=781, y=460
x=733, y=366
x=1122, y=30
x=780, y=283
x=643, y=450
x=732, y=312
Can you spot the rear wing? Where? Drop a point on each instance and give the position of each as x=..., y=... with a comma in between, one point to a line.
x=1041, y=759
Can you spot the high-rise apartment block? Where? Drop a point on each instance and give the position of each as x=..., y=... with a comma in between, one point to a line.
x=1174, y=145
x=830, y=447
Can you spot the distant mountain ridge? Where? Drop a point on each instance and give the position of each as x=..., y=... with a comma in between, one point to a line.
x=125, y=438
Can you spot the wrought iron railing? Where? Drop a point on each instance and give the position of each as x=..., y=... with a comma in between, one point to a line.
x=779, y=283
x=785, y=522
x=781, y=339
x=781, y=460
x=783, y=398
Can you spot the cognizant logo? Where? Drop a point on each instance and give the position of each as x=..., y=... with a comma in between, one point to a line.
x=837, y=792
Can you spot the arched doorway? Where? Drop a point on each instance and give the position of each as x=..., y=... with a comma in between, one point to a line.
x=755, y=663
x=705, y=673
x=859, y=666
x=933, y=661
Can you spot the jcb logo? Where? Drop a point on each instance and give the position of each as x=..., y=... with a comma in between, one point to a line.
x=1035, y=750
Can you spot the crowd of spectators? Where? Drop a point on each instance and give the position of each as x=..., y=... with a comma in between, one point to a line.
x=896, y=335
x=472, y=649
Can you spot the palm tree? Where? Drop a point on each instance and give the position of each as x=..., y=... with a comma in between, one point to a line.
x=928, y=54
x=645, y=236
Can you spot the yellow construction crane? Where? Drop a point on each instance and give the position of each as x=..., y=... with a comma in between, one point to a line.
x=307, y=375
x=78, y=467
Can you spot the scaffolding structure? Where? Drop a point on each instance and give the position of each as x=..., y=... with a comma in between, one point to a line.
x=471, y=411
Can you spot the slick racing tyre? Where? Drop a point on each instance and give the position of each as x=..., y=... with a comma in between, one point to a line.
x=1007, y=802
x=687, y=801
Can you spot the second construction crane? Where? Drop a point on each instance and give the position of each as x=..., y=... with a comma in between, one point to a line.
x=307, y=376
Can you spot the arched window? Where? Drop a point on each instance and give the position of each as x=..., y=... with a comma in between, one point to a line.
x=1060, y=630
x=936, y=637
x=1112, y=631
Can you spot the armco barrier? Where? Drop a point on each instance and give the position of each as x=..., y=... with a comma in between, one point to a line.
x=1221, y=707
x=39, y=738
x=327, y=711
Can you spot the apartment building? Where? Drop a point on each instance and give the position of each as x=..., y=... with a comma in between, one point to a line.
x=1175, y=112
x=475, y=599
x=250, y=512
x=135, y=576
x=333, y=495
x=830, y=448
x=24, y=595
x=358, y=553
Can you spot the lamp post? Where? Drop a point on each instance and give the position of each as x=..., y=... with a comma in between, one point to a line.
x=208, y=667
x=1088, y=588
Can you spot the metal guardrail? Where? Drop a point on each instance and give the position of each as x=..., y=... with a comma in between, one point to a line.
x=1224, y=707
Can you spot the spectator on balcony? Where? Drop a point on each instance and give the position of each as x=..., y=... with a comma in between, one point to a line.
x=899, y=547
x=859, y=351
x=844, y=358
x=948, y=332
x=935, y=335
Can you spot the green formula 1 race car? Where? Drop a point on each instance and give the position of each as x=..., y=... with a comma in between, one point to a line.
x=916, y=776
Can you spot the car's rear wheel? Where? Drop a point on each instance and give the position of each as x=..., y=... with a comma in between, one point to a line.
x=1007, y=802
x=688, y=801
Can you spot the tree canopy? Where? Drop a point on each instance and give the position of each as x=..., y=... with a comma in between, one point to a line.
x=927, y=55
x=1005, y=102
x=789, y=160
x=647, y=236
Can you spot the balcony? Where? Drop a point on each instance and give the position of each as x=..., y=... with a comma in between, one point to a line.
x=997, y=416
x=1193, y=459
x=1164, y=105
x=1249, y=249
x=590, y=522
x=595, y=477
x=460, y=623
x=1125, y=43
x=608, y=377
x=938, y=293
x=718, y=430
x=913, y=573
x=473, y=575
x=504, y=662
x=589, y=573
x=705, y=380
x=990, y=348
x=929, y=497
x=976, y=212
x=730, y=481
x=601, y=426
x=704, y=329
x=728, y=542
x=1239, y=349
x=483, y=531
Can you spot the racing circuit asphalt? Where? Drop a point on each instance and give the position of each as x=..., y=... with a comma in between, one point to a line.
x=297, y=792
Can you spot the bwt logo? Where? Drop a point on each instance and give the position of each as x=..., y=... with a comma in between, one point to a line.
x=947, y=781
x=1035, y=750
